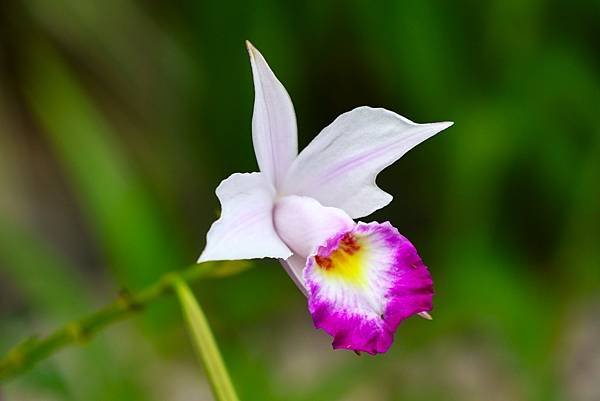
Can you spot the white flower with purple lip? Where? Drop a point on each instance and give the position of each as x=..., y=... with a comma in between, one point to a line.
x=361, y=279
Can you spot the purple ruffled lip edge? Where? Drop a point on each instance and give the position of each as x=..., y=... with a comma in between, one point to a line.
x=410, y=293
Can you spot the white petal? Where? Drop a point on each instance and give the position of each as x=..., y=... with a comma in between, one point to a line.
x=245, y=229
x=274, y=132
x=339, y=167
x=303, y=223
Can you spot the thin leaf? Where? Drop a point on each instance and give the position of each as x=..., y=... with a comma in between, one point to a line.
x=205, y=344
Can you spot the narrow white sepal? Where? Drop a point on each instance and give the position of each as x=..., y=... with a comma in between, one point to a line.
x=274, y=132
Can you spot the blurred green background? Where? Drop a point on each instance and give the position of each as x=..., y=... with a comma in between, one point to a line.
x=118, y=118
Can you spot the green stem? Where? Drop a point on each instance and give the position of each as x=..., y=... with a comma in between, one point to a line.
x=32, y=350
x=205, y=344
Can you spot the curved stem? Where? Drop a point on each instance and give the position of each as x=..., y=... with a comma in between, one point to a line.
x=32, y=350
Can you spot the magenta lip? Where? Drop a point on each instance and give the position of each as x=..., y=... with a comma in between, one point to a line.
x=408, y=290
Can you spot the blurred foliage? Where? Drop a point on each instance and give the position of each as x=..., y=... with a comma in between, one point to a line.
x=119, y=118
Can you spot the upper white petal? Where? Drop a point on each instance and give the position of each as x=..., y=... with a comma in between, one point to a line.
x=274, y=132
x=339, y=167
x=303, y=223
x=245, y=229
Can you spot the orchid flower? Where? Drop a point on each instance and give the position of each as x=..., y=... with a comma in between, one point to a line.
x=361, y=279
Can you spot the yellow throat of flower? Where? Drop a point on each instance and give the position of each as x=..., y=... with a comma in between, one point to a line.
x=346, y=262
